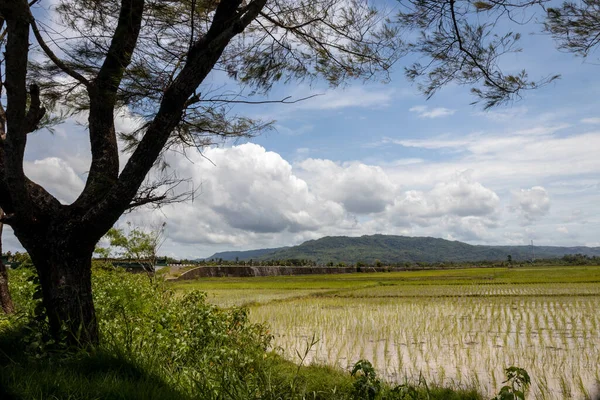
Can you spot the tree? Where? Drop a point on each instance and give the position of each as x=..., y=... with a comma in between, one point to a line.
x=151, y=58
x=575, y=26
x=137, y=244
x=5, y=298
x=460, y=42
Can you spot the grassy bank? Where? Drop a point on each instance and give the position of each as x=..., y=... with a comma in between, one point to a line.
x=159, y=345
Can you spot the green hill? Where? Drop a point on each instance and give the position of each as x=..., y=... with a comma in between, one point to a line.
x=243, y=255
x=398, y=249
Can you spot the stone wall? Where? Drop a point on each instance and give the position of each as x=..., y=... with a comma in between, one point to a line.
x=248, y=271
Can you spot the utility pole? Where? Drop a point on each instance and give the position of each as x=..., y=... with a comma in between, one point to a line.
x=532, y=252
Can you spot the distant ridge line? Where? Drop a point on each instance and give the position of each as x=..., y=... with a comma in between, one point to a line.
x=399, y=249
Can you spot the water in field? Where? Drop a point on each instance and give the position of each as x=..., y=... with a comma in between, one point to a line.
x=458, y=334
x=464, y=341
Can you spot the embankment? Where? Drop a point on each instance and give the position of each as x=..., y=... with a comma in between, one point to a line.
x=248, y=271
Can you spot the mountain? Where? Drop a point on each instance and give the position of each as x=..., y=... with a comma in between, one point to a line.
x=399, y=249
x=243, y=255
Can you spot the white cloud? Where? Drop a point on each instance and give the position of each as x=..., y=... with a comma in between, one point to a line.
x=508, y=160
x=293, y=131
x=425, y=112
x=481, y=143
x=469, y=228
x=407, y=161
x=460, y=197
x=362, y=189
x=253, y=197
x=56, y=176
x=249, y=194
x=463, y=197
x=503, y=115
x=126, y=122
x=531, y=204
x=593, y=121
x=352, y=97
x=440, y=142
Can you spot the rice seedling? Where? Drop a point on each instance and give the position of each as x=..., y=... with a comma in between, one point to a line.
x=450, y=326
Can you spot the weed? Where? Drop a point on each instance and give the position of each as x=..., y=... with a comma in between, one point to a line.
x=518, y=382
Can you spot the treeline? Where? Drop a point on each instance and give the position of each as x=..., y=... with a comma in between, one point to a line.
x=579, y=259
x=17, y=259
x=569, y=259
x=22, y=259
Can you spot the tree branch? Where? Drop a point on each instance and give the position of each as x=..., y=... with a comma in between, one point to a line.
x=121, y=47
x=7, y=219
x=57, y=61
x=161, y=192
x=473, y=59
x=286, y=100
x=36, y=111
x=104, y=170
x=205, y=53
x=22, y=198
x=17, y=50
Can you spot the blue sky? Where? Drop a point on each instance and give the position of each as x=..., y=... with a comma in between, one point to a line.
x=380, y=158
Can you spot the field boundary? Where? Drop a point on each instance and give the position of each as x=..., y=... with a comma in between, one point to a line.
x=249, y=271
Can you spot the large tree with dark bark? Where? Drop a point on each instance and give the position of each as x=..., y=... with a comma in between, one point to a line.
x=6, y=302
x=152, y=58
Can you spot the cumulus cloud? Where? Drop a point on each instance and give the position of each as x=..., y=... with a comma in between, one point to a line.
x=461, y=197
x=56, y=176
x=248, y=193
x=360, y=188
x=531, y=204
x=426, y=112
x=469, y=228
x=251, y=196
x=461, y=207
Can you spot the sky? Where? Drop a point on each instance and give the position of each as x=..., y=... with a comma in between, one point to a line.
x=379, y=158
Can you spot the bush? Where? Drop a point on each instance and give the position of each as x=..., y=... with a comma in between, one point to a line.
x=168, y=346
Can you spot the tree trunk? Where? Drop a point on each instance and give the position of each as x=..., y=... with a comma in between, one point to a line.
x=5, y=299
x=65, y=277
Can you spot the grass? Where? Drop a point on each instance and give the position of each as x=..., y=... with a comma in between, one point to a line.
x=480, y=276
x=455, y=327
x=160, y=345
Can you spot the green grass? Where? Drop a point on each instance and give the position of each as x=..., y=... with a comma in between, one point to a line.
x=165, y=342
x=104, y=376
x=157, y=345
x=238, y=291
x=457, y=327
